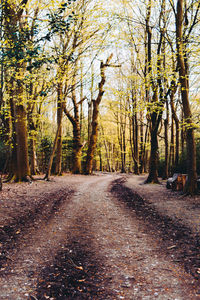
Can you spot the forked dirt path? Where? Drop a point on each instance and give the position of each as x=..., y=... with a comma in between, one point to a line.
x=83, y=240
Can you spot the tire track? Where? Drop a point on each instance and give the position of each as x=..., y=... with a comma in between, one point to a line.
x=77, y=271
x=185, y=248
x=12, y=233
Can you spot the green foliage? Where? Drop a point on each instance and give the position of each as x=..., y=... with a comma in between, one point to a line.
x=58, y=21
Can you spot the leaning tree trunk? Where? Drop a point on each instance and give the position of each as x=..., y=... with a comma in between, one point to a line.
x=191, y=185
x=94, y=124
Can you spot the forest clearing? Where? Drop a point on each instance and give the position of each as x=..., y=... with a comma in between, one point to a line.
x=93, y=237
x=99, y=149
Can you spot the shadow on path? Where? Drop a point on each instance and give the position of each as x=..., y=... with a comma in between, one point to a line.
x=175, y=238
x=12, y=233
x=77, y=272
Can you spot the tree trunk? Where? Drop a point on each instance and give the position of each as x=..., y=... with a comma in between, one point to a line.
x=13, y=141
x=141, y=155
x=176, y=120
x=107, y=156
x=94, y=124
x=191, y=186
x=77, y=149
x=48, y=172
x=23, y=170
x=172, y=147
x=166, y=124
x=153, y=167
x=58, y=168
x=153, y=164
x=33, y=157
x=32, y=138
x=93, y=138
x=12, y=21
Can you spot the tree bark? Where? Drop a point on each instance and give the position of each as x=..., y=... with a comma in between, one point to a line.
x=166, y=125
x=95, y=114
x=176, y=120
x=58, y=168
x=153, y=167
x=23, y=170
x=33, y=157
x=13, y=26
x=48, y=172
x=191, y=186
x=77, y=145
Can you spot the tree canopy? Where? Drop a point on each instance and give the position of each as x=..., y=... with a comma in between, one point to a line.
x=91, y=86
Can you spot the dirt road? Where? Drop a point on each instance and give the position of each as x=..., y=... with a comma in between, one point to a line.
x=78, y=237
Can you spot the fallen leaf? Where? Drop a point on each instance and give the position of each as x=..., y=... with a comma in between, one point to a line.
x=81, y=280
x=79, y=268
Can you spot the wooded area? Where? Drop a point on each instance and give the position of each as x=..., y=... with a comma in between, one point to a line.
x=92, y=86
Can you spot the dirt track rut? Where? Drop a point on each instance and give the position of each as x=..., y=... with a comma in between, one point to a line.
x=85, y=243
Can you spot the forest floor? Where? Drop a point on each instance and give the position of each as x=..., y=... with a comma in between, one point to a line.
x=106, y=236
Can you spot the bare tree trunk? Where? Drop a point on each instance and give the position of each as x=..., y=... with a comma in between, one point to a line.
x=153, y=164
x=107, y=156
x=58, y=169
x=90, y=106
x=33, y=157
x=94, y=125
x=93, y=138
x=89, y=119
x=77, y=145
x=77, y=149
x=48, y=172
x=153, y=168
x=134, y=143
x=23, y=170
x=13, y=142
x=182, y=136
x=176, y=120
x=191, y=186
x=172, y=147
x=166, y=124
x=141, y=164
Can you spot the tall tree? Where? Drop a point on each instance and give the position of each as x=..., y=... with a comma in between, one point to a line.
x=14, y=30
x=95, y=114
x=182, y=57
